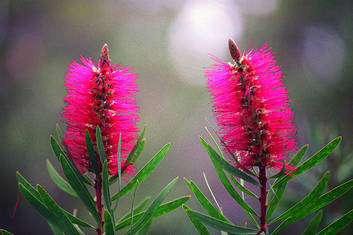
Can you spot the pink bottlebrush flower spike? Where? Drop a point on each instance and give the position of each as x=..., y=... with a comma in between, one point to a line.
x=252, y=108
x=100, y=95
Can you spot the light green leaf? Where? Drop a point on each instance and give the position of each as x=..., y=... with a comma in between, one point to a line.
x=202, y=229
x=153, y=207
x=221, y=225
x=138, y=208
x=338, y=225
x=137, y=149
x=105, y=187
x=314, y=224
x=108, y=223
x=79, y=188
x=146, y=228
x=143, y=173
x=59, y=133
x=241, y=187
x=59, y=181
x=4, y=232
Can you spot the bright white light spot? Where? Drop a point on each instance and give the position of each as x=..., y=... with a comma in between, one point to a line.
x=200, y=28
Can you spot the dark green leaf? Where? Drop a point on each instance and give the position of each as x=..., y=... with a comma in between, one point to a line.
x=315, y=205
x=27, y=185
x=100, y=145
x=205, y=203
x=4, y=232
x=105, y=186
x=91, y=153
x=226, y=183
x=58, y=151
x=226, y=166
x=79, y=188
x=220, y=225
x=119, y=161
x=338, y=225
x=59, y=181
x=138, y=208
x=311, y=197
x=60, y=218
x=108, y=223
x=202, y=229
x=59, y=133
x=137, y=149
x=153, y=207
x=312, y=161
x=143, y=173
x=241, y=187
x=76, y=220
x=314, y=224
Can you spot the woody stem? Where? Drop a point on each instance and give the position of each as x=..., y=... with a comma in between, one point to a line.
x=262, y=198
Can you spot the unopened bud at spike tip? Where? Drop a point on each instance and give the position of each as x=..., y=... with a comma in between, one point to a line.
x=104, y=56
x=234, y=50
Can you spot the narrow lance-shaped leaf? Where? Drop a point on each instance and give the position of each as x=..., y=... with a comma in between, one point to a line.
x=226, y=183
x=312, y=161
x=312, y=196
x=137, y=209
x=225, y=165
x=152, y=208
x=91, y=152
x=58, y=151
x=241, y=187
x=59, y=181
x=143, y=173
x=79, y=188
x=221, y=225
x=202, y=229
x=108, y=223
x=4, y=232
x=338, y=225
x=314, y=224
x=106, y=192
x=162, y=209
x=60, y=217
x=100, y=145
x=134, y=154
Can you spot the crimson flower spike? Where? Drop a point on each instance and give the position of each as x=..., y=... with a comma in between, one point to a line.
x=100, y=95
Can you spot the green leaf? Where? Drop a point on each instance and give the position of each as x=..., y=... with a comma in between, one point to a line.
x=138, y=208
x=38, y=204
x=91, y=153
x=60, y=218
x=105, y=186
x=100, y=145
x=4, y=232
x=59, y=132
x=58, y=151
x=311, y=197
x=162, y=209
x=314, y=224
x=79, y=187
x=226, y=183
x=221, y=225
x=205, y=203
x=27, y=185
x=312, y=161
x=279, y=189
x=108, y=223
x=226, y=166
x=76, y=220
x=59, y=181
x=241, y=187
x=143, y=173
x=202, y=229
x=144, y=230
x=317, y=204
x=119, y=161
x=137, y=149
x=338, y=225
x=152, y=208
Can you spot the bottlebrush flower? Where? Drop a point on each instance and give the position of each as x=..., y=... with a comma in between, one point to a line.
x=251, y=106
x=100, y=95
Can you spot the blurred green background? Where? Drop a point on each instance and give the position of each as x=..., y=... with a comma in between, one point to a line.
x=168, y=43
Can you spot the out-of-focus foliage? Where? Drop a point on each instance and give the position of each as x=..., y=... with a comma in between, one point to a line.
x=167, y=42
